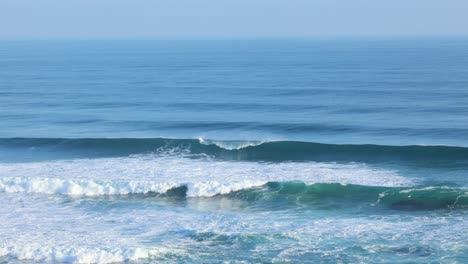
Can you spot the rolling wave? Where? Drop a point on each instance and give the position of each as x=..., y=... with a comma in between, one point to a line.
x=159, y=173
x=323, y=194
x=274, y=151
x=288, y=193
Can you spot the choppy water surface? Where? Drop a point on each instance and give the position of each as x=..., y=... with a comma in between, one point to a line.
x=259, y=151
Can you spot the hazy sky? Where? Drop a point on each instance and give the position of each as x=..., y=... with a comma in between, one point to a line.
x=230, y=18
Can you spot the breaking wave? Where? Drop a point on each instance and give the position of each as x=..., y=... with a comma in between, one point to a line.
x=276, y=151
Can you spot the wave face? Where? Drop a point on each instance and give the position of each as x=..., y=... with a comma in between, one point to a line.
x=276, y=151
x=334, y=195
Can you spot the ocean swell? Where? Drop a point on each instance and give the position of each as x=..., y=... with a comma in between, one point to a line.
x=245, y=150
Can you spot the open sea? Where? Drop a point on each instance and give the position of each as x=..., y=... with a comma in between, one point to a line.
x=237, y=151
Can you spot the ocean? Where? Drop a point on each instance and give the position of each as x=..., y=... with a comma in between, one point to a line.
x=339, y=150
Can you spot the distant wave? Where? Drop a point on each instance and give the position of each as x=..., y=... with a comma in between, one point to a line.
x=237, y=150
x=230, y=144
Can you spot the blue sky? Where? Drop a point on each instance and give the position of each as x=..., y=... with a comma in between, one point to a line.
x=30, y=19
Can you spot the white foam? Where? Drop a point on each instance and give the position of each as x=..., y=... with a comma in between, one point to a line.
x=96, y=187
x=81, y=186
x=72, y=254
x=57, y=228
x=203, y=177
x=230, y=145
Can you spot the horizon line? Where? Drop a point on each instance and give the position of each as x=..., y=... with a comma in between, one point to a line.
x=246, y=37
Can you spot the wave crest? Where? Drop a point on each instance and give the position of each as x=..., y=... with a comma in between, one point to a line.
x=290, y=193
x=87, y=187
x=157, y=174
x=230, y=144
x=274, y=151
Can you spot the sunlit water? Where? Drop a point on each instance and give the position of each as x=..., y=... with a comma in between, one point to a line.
x=235, y=150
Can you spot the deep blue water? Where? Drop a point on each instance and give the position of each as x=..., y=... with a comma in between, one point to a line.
x=391, y=92
x=332, y=150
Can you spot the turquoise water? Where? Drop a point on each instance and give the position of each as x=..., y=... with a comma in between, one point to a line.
x=338, y=150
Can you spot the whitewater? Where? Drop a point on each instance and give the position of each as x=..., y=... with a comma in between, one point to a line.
x=234, y=151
